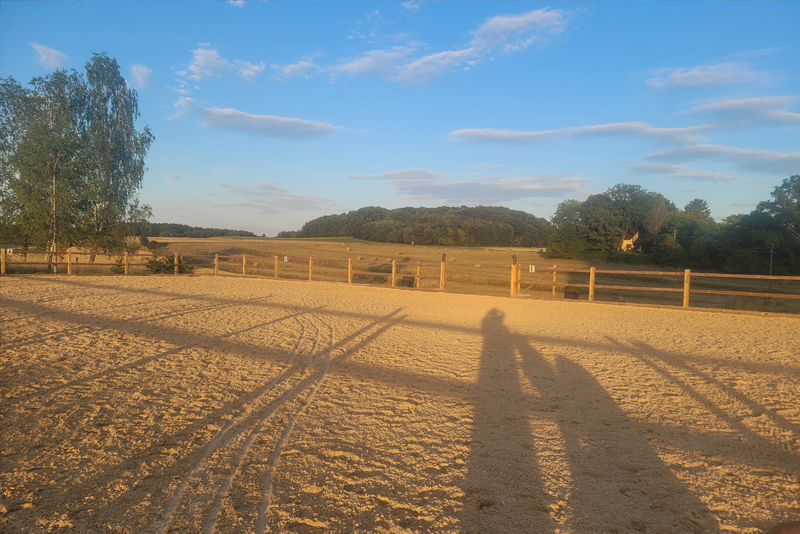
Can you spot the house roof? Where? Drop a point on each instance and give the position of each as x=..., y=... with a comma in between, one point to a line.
x=631, y=235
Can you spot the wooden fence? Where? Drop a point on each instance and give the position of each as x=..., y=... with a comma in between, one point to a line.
x=518, y=283
x=395, y=272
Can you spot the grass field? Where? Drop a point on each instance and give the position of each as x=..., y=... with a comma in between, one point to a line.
x=194, y=405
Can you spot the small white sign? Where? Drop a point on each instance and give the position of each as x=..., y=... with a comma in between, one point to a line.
x=532, y=268
x=286, y=259
x=9, y=252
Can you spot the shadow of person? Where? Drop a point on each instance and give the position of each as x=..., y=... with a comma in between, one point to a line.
x=552, y=452
x=503, y=484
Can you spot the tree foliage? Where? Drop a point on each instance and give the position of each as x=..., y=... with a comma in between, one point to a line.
x=682, y=238
x=91, y=119
x=446, y=226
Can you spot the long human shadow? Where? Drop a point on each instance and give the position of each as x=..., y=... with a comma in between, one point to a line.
x=552, y=450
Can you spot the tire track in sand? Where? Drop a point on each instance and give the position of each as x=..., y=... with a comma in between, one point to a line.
x=231, y=431
x=209, y=525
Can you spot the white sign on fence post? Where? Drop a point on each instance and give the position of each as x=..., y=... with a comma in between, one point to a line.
x=286, y=259
x=9, y=252
x=532, y=268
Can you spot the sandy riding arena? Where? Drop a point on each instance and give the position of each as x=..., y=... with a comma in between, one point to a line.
x=201, y=405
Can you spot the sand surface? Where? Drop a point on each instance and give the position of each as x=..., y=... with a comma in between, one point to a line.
x=200, y=405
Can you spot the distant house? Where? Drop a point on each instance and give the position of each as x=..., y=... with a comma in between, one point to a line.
x=629, y=239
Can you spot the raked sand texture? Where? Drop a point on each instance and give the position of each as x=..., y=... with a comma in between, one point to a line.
x=200, y=405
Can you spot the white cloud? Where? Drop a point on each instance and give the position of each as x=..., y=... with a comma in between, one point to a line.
x=744, y=159
x=412, y=5
x=750, y=112
x=141, y=76
x=207, y=62
x=181, y=106
x=175, y=177
x=271, y=197
x=681, y=172
x=265, y=125
x=619, y=129
x=49, y=57
x=416, y=184
x=237, y=3
x=299, y=69
x=503, y=33
x=719, y=74
x=375, y=62
x=248, y=70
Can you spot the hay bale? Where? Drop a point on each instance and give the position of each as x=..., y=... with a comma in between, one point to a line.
x=407, y=281
x=348, y=249
x=574, y=295
x=618, y=299
x=741, y=302
x=452, y=259
x=476, y=266
x=360, y=258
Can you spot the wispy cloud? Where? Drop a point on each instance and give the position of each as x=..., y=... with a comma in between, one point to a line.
x=412, y=5
x=248, y=70
x=681, y=172
x=620, y=129
x=181, y=106
x=386, y=62
x=503, y=33
x=49, y=57
x=140, y=76
x=299, y=69
x=719, y=74
x=744, y=159
x=207, y=62
x=271, y=197
x=175, y=177
x=265, y=125
x=420, y=184
x=750, y=112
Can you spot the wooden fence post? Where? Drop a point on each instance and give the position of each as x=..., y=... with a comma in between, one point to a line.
x=176, y=263
x=519, y=279
x=310, y=268
x=417, y=279
x=394, y=273
x=69, y=262
x=244, y=265
x=216, y=264
x=687, y=275
x=554, y=279
x=443, y=274
x=513, y=275
x=3, y=261
x=349, y=270
x=126, y=263
x=591, y=284
x=276, y=267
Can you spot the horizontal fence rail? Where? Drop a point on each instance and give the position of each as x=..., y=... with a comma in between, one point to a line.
x=277, y=264
x=400, y=274
x=517, y=282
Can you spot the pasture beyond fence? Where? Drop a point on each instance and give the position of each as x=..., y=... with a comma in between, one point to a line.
x=415, y=275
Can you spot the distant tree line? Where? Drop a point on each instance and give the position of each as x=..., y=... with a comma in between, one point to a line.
x=445, y=226
x=688, y=237
x=184, y=230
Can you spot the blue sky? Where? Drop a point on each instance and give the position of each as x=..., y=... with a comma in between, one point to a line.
x=268, y=114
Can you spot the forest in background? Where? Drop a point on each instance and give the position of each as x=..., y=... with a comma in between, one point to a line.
x=762, y=241
x=447, y=226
